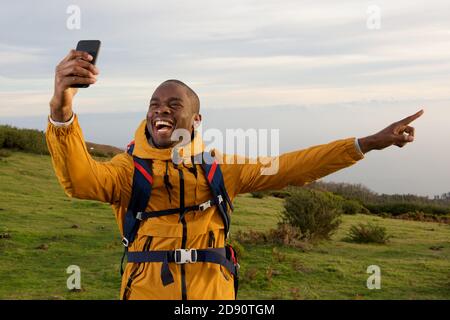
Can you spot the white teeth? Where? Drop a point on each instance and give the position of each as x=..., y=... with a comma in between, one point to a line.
x=162, y=123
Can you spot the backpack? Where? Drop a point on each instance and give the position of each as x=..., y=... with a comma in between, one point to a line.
x=140, y=196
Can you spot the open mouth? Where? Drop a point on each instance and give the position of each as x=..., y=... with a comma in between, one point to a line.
x=163, y=126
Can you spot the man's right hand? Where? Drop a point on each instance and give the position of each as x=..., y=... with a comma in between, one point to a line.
x=75, y=68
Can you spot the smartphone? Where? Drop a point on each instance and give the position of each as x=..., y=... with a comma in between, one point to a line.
x=92, y=47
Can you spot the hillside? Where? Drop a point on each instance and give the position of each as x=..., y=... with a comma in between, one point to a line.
x=102, y=149
x=42, y=232
x=33, y=141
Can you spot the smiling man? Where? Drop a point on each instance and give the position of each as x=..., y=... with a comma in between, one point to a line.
x=174, y=217
x=183, y=105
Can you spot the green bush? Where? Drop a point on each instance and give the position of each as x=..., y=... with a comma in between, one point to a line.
x=2, y=136
x=353, y=207
x=4, y=153
x=28, y=140
x=367, y=233
x=399, y=208
x=238, y=248
x=282, y=194
x=315, y=213
x=283, y=234
x=258, y=194
x=96, y=153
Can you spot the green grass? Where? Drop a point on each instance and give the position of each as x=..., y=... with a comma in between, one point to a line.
x=35, y=211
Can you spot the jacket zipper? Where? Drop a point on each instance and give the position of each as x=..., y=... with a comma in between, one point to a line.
x=184, y=237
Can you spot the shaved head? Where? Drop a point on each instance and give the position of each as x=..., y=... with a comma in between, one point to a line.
x=173, y=105
x=191, y=93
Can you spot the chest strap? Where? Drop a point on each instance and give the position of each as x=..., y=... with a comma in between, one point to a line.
x=198, y=207
x=182, y=256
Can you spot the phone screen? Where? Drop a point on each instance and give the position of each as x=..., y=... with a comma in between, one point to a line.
x=92, y=47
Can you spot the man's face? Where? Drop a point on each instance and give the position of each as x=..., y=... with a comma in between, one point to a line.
x=170, y=108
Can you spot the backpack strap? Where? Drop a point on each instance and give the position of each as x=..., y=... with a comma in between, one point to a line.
x=216, y=184
x=140, y=196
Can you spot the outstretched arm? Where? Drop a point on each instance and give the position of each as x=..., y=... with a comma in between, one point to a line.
x=304, y=166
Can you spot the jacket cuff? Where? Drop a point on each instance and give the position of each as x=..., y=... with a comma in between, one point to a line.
x=358, y=147
x=354, y=149
x=61, y=124
x=64, y=130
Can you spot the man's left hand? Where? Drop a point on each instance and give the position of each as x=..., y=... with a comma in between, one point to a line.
x=399, y=133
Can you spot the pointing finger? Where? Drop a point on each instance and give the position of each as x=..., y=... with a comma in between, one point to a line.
x=410, y=119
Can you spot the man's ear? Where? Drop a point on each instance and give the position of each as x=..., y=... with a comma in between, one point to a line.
x=197, y=121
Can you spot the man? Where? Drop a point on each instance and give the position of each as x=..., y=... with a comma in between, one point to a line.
x=173, y=106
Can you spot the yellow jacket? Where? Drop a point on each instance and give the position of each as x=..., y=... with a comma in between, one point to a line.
x=84, y=178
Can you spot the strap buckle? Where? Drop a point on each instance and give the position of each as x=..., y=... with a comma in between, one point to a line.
x=139, y=215
x=125, y=242
x=185, y=256
x=205, y=205
x=220, y=198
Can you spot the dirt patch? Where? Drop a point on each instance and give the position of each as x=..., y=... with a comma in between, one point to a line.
x=43, y=246
x=5, y=235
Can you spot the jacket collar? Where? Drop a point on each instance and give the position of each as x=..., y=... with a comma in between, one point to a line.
x=143, y=149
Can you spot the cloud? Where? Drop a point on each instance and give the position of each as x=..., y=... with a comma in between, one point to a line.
x=238, y=53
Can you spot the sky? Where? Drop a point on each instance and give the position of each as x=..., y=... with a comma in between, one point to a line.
x=317, y=71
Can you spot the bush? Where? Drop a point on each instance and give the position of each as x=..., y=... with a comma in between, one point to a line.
x=99, y=154
x=238, y=248
x=399, y=208
x=367, y=233
x=258, y=194
x=282, y=194
x=353, y=207
x=4, y=153
x=28, y=140
x=314, y=213
x=284, y=234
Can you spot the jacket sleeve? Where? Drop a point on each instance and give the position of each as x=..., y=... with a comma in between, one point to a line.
x=80, y=175
x=294, y=168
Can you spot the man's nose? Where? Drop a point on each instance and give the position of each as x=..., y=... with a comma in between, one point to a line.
x=163, y=109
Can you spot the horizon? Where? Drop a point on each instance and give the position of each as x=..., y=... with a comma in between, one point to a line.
x=97, y=128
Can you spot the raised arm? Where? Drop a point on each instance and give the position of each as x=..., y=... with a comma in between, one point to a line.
x=79, y=174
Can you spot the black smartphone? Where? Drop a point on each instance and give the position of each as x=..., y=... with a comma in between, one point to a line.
x=92, y=47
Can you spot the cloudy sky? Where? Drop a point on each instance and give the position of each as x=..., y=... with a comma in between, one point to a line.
x=317, y=71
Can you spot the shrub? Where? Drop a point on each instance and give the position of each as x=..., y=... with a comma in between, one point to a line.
x=367, y=233
x=28, y=140
x=99, y=154
x=284, y=234
x=314, y=213
x=398, y=208
x=238, y=248
x=353, y=207
x=4, y=153
x=258, y=194
x=282, y=194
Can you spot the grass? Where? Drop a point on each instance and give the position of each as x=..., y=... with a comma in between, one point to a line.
x=34, y=211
